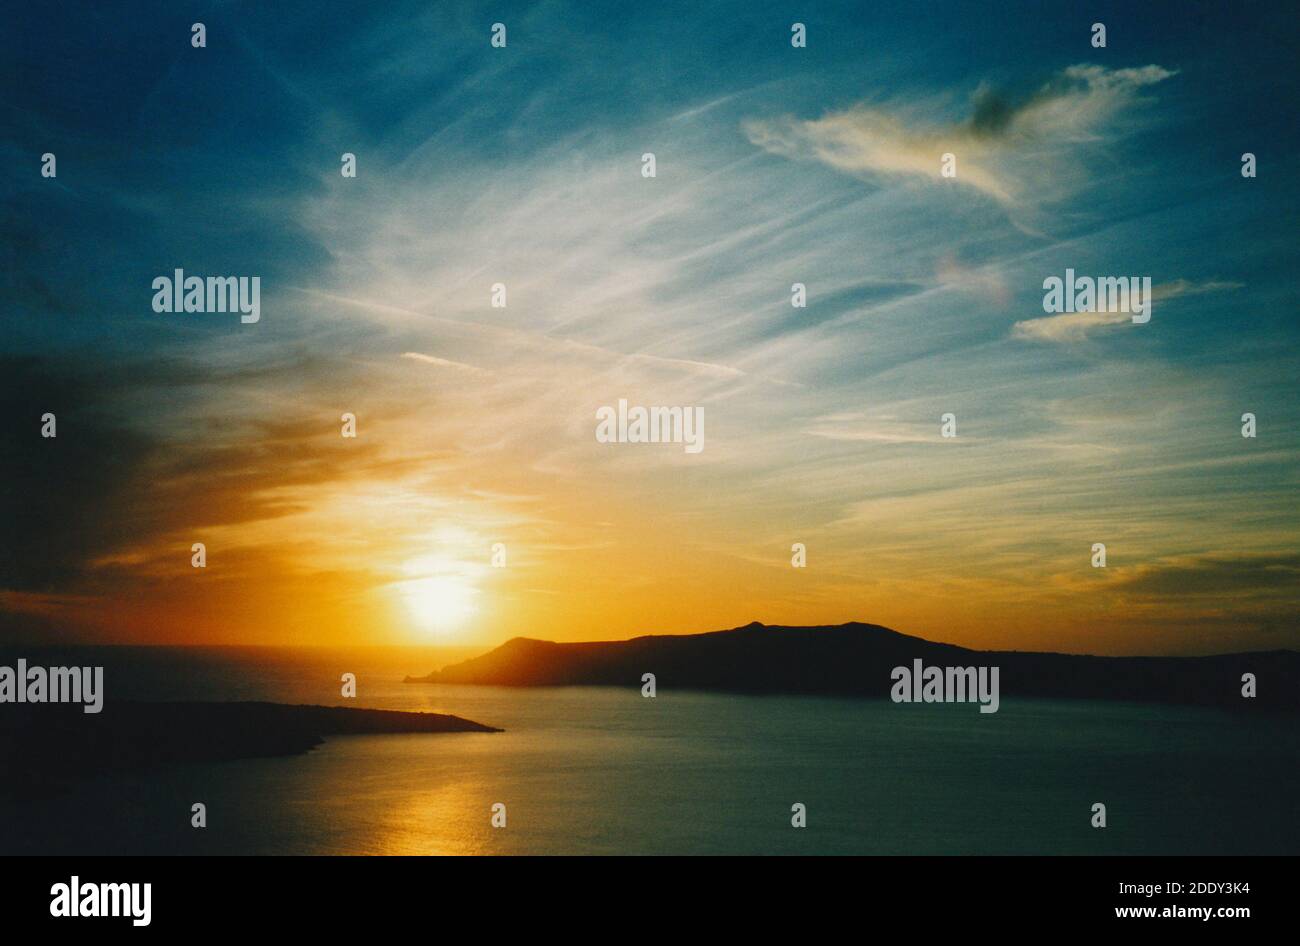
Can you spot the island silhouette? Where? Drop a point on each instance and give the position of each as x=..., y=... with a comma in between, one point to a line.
x=856, y=660
x=44, y=748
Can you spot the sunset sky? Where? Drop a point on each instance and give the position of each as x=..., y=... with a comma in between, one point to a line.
x=476, y=424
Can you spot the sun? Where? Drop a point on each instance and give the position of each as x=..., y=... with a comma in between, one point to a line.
x=443, y=603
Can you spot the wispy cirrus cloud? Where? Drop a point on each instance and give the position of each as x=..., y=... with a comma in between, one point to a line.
x=440, y=362
x=1013, y=150
x=1077, y=326
x=861, y=428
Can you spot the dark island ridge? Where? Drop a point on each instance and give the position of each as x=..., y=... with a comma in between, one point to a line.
x=856, y=660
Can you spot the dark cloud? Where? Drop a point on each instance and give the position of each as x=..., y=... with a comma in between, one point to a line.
x=994, y=112
x=1254, y=574
x=55, y=492
x=119, y=475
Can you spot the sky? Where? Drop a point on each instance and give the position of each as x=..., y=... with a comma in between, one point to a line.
x=774, y=165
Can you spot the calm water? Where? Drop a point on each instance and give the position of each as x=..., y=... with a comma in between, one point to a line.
x=602, y=770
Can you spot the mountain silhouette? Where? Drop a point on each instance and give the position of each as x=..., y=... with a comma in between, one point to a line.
x=857, y=659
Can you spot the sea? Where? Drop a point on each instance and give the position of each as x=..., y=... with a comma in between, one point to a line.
x=604, y=770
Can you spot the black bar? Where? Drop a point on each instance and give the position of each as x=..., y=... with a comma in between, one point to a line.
x=302, y=895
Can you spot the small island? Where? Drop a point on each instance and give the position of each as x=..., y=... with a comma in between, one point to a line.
x=45, y=747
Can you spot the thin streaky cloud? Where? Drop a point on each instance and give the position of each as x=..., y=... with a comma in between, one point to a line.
x=1013, y=151
x=1077, y=326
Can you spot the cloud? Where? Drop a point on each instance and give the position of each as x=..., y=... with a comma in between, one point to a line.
x=1068, y=327
x=987, y=283
x=59, y=493
x=441, y=362
x=1076, y=326
x=853, y=427
x=1015, y=151
x=121, y=488
x=1277, y=575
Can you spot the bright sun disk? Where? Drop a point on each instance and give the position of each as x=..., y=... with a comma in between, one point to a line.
x=439, y=604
